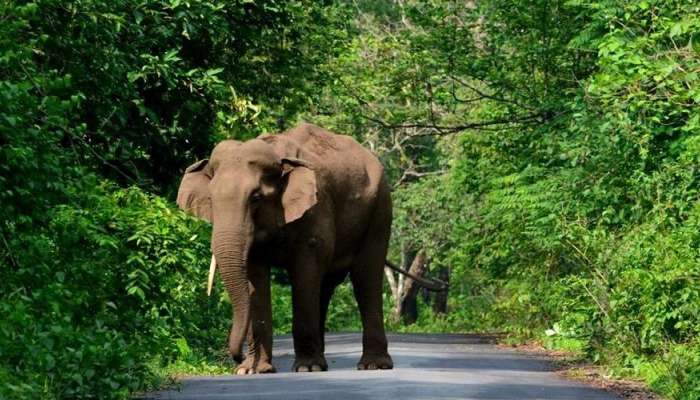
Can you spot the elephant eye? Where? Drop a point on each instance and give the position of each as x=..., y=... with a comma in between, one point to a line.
x=271, y=176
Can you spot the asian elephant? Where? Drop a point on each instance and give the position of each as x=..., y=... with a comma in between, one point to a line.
x=307, y=200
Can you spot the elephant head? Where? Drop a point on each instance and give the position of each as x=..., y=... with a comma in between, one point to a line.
x=248, y=191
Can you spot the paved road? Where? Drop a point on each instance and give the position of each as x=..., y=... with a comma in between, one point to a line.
x=425, y=367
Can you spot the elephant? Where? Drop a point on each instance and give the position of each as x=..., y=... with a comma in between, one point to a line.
x=312, y=202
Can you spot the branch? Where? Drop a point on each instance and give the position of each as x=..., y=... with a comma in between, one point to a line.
x=392, y=284
x=9, y=251
x=104, y=160
x=440, y=130
x=488, y=96
x=415, y=174
x=84, y=143
x=418, y=268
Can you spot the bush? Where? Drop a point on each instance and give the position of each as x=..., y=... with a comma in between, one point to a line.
x=579, y=229
x=120, y=281
x=101, y=285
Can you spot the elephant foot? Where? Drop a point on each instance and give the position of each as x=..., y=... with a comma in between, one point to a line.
x=310, y=364
x=248, y=367
x=375, y=362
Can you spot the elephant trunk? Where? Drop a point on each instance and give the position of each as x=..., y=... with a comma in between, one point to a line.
x=231, y=247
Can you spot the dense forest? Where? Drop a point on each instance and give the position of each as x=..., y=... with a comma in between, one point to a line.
x=544, y=157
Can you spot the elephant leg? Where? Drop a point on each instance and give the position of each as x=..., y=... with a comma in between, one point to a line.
x=306, y=306
x=330, y=282
x=367, y=275
x=259, y=356
x=375, y=353
x=326, y=294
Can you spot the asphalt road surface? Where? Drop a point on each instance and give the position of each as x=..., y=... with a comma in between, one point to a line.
x=425, y=367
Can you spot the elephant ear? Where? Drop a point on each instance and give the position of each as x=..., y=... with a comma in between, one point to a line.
x=300, y=192
x=193, y=195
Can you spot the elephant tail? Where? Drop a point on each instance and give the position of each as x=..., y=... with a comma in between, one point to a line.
x=434, y=285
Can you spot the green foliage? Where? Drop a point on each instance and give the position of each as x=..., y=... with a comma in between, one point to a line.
x=545, y=153
x=553, y=156
x=154, y=84
x=115, y=287
x=101, y=286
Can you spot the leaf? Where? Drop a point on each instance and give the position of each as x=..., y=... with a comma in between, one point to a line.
x=136, y=291
x=677, y=29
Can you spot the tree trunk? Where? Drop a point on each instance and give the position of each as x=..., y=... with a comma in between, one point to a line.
x=440, y=298
x=408, y=310
x=404, y=290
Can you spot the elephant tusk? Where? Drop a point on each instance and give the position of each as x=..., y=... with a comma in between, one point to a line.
x=210, y=281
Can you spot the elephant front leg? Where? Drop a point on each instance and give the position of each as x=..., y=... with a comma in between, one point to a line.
x=258, y=359
x=308, y=345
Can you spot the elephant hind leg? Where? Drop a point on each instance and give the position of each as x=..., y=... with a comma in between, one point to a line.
x=330, y=282
x=367, y=275
x=367, y=284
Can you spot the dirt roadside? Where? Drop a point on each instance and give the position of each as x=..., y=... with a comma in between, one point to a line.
x=567, y=366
